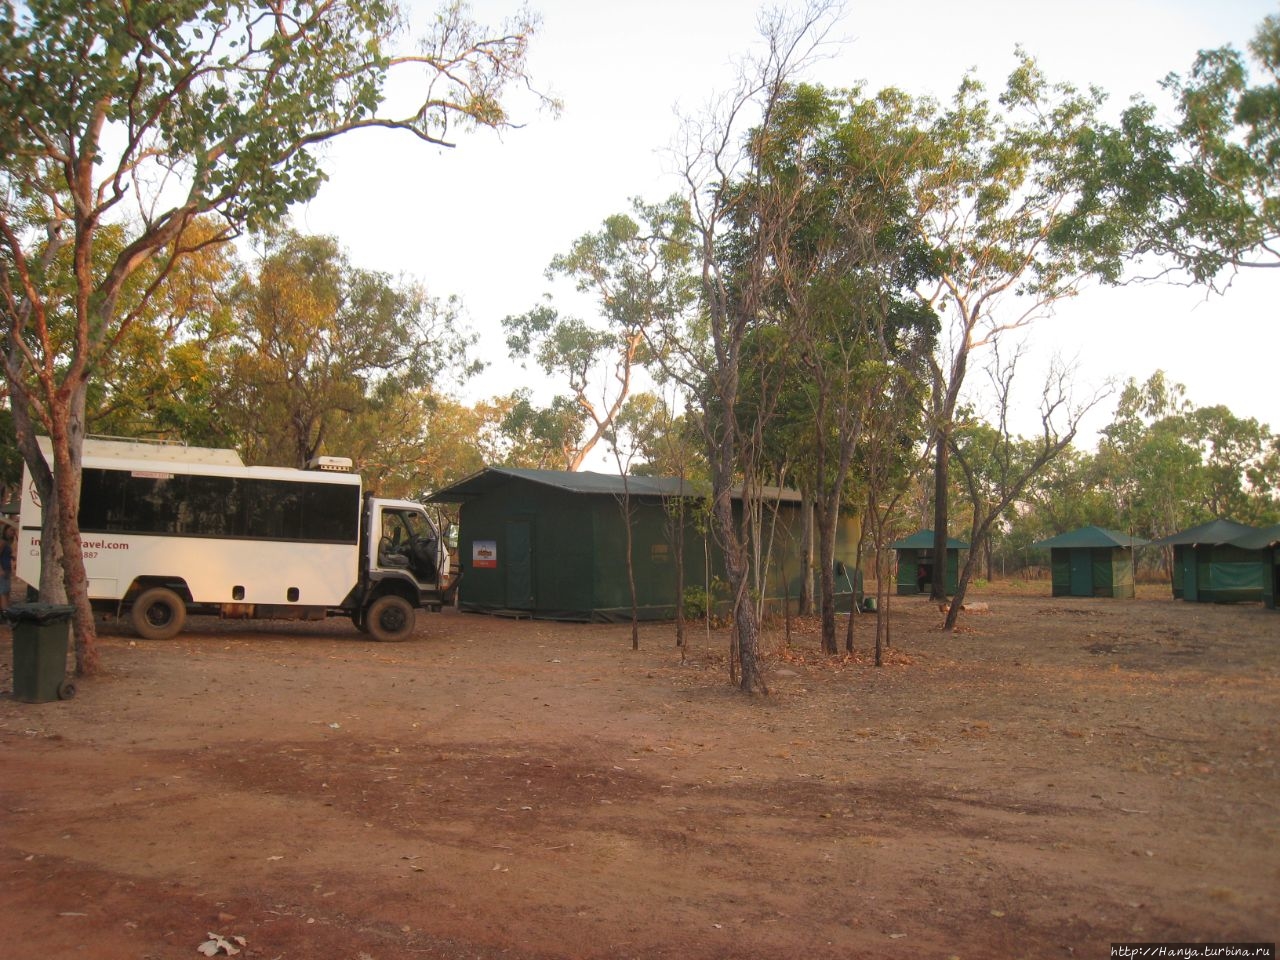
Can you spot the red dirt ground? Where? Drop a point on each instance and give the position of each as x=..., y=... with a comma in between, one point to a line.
x=1058, y=775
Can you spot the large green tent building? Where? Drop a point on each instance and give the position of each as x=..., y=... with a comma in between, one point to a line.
x=1092, y=562
x=916, y=567
x=552, y=544
x=1209, y=566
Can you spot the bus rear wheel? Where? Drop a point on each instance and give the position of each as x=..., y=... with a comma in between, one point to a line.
x=158, y=614
x=390, y=619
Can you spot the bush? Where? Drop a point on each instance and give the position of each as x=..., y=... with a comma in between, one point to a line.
x=695, y=603
x=698, y=603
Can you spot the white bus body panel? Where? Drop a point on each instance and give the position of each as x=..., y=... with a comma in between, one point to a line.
x=322, y=573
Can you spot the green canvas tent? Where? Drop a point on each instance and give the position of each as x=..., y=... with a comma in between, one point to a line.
x=1092, y=562
x=552, y=544
x=1266, y=540
x=1208, y=566
x=916, y=566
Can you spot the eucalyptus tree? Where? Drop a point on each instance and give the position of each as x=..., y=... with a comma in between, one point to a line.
x=1203, y=193
x=149, y=116
x=161, y=381
x=322, y=347
x=668, y=446
x=1171, y=464
x=719, y=160
x=634, y=269
x=540, y=437
x=891, y=460
x=843, y=261
x=998, y=466
x=1002, y=202
x=1151, y=464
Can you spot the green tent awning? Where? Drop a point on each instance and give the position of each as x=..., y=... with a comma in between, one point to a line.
x=923, y=540
x=1258, y=539
x=1213, y=532
x=1092, y=538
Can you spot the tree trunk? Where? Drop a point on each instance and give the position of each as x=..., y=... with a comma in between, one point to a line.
x=50, y=587
x=631, y=572
x=962, y=586
x=827, y=580
x=941, y=471
x=677, y=537
x=63, y=524
x=806, y=554
x=746, y=626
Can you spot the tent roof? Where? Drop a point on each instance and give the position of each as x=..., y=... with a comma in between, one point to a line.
x=582, y=482
x=1258, y=539
x=923, y=540
x=1092, y=537
x=1213, y=532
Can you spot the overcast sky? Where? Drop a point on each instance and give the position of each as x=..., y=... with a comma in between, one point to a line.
x=482, y=221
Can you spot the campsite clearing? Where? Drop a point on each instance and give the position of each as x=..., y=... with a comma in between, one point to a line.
x=1059, y=775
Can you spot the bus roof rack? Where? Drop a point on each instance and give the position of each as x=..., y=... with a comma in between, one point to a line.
x=330, y=464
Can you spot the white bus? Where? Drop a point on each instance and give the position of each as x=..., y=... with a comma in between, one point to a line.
x=169, y=530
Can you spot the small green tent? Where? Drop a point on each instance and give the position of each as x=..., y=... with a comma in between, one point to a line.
x=1092, y=562
x=552, y=544
x=1267, y=541
x=916, y=566
x=1208, y=566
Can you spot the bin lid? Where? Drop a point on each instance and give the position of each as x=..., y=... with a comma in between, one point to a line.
x=39, y=612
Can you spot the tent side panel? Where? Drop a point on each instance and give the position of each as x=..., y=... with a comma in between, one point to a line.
x=908, y=561
x=564, y=558
x=1230, y=575
x=552, y=574
x=483, y=548
x=653, y=560
x=1060, y=571
x=1122, y=579
x=1100, y=572
x=1271, y=585
x=953, y=572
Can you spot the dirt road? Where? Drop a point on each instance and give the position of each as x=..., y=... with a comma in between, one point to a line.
x=1059, y=775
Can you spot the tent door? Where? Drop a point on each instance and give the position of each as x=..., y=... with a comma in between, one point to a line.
x=1190, y=575
x=1081, y=573
x=519, y=565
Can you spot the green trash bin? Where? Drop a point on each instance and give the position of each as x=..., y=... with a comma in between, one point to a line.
x=40, y=635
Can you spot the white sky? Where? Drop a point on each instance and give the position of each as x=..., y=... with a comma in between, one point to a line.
x=482, y=221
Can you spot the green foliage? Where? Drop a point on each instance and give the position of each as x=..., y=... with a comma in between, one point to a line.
x=699, y=602
x=161, y=379
x=636, y=268
x=543, y=438
x=696, y=603
x=1203, y=194
x=329, y=358
x=10, y=458
x=1172, y=465
x=1163, y=465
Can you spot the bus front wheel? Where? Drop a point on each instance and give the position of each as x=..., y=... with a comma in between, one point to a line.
x=158, y=614
x=390, y=619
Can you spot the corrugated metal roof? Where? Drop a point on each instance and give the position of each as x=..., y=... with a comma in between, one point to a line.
x=1213, y=532
x=923, y=540
x=583, y=482
x=1090, y=537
